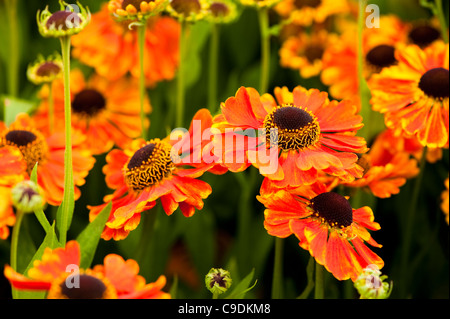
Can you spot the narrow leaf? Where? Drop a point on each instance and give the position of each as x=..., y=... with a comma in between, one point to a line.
x=90, y=236
x=242, y=287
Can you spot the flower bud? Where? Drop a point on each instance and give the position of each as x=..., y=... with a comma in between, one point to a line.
x=218, y=280
x=70, y=20
x=371, y=285
x=27, y=197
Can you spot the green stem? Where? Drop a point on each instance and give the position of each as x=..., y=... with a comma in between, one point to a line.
x=13, y=58
x=15, y=243
x=215, y=296
x=319, y=291
x=410, y=223
x=439, y=12
x=51, y=109
x=263, y=15
x=15, y=239
x=68, y=202
x=179, y=121
x=277, y=279
x=310, y=279
x=213, y=64
x=247, y=180
x=363, y=90
x=141, y=44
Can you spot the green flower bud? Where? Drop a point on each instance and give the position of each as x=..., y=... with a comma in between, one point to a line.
x=70, y=20
x=218, y=280
x=370, y=284
x=27, y=197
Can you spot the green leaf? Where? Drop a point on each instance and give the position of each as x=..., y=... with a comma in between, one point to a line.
x=40, y=215
x=90, y=236
x=50, y=241
x=14, y=106
x=243, y=287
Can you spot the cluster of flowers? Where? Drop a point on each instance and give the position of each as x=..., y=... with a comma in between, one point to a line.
x=311, y=138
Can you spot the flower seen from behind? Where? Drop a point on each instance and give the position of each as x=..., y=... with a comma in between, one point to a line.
x=135, y=10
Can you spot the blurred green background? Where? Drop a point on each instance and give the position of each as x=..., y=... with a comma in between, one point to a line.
x=214, y=236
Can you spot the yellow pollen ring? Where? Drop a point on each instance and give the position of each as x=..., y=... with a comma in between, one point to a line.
x=291, y=139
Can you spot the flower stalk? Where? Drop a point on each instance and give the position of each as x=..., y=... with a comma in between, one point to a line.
x=319, y=283
x=13, y=58
x=277, y=279
x=181, y=90
x=263, y=15
x=141, y=28
x=213, y=64
x=410, y=223
x=68, y=202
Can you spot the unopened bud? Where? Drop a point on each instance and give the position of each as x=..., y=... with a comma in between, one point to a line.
x=218, y=280
x=370, y=284
x=27, y=196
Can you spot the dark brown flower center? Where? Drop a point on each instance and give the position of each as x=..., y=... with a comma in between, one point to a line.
x=381, y=56
x=141, y=156
x=32, y=145
x=62, y=20
x=333, y=209
x=219, y=9
x=424, y=35
x=88, y=102
x=291, y=127
x=299, y=4
x=186, y=7
x=89, y=287
x=149, y=165
x=314, y=52
x=48, y=69
x=435, y=83
x=20, y=137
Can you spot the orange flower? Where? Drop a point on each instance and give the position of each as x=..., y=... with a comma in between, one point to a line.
x=116, y=278
x=144, y=172
x=327, y=226
x=414, y=95
x=339, y=63
x=48, y=152
x=307, y=12
x=385, y=169
x=12, y=171
x=303, y=133
x=304, y=52
x=107, y=112
x=111, y=48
